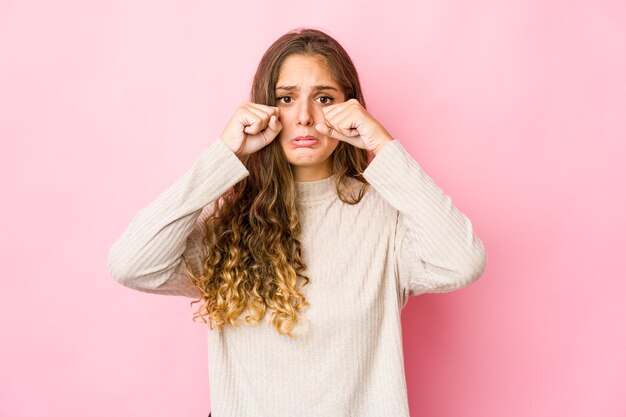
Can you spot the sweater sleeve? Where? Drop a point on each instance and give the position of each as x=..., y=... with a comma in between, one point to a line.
x=436, y=249
x=149, y=254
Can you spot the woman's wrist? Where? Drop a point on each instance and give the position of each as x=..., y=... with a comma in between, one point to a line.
x=380, y=147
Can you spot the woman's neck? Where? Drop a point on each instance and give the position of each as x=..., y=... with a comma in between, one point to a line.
x=311, y=173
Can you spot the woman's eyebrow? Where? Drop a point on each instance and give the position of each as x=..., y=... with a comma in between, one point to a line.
x=317, y=87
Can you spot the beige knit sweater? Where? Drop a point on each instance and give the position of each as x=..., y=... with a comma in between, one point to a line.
x=404, y=238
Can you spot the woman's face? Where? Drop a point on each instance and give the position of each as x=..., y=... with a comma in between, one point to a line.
x=304, y=87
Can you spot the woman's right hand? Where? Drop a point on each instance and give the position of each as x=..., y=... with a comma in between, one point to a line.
x=252, y=127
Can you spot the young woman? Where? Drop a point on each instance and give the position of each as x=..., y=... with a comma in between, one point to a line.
x=302, y=231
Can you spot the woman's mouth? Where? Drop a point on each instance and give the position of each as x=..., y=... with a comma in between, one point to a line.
x=304, y=141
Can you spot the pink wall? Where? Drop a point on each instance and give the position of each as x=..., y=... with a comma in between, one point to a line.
x=516, y=109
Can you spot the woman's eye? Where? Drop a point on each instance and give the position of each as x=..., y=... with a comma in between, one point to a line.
x=285, y=99
x=325, y=99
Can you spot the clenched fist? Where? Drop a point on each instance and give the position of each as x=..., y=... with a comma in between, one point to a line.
x=350, y=122
x=252, y=127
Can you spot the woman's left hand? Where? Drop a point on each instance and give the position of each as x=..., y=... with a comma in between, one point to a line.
x=350, y=122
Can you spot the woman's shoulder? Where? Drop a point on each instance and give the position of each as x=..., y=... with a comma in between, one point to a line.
x=371, y=199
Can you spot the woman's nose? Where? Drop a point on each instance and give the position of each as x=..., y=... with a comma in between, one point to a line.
x=305, y=115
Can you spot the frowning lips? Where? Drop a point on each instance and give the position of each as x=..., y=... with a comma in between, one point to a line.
x=304, y=141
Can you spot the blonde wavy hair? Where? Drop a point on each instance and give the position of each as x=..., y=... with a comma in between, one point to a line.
x=253, y=256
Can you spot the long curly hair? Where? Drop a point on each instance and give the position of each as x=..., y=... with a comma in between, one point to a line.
x=252, y=252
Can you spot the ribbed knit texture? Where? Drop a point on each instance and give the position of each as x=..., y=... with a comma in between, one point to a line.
x=404, y=238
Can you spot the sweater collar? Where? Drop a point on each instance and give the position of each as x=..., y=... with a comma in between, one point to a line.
x=309, y=191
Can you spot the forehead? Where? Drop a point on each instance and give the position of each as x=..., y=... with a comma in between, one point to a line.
x=305, y=69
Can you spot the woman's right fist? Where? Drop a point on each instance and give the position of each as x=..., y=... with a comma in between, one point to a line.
x=252, y=127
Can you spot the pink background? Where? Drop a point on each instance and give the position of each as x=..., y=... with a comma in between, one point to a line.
x=515, y=108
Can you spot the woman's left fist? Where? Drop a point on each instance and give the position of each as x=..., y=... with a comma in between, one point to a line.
x=350, y=122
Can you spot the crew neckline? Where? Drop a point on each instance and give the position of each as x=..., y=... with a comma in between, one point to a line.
x=309, y=191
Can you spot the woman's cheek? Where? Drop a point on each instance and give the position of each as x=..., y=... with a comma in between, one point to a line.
x=286, y=115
